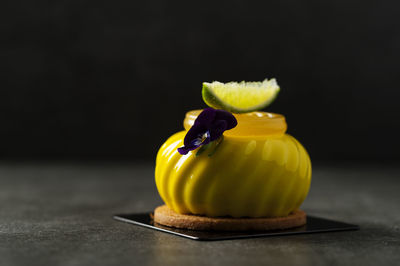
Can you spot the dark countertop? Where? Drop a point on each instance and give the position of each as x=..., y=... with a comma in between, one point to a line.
x=60, y=214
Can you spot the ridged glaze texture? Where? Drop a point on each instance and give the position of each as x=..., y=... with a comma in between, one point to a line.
x=264, y=177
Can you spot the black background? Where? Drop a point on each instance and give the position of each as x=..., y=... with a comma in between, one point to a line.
x=95, y=79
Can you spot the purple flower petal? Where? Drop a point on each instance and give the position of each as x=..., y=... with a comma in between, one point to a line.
x=209, y=125
x=228, y=117
x=196, y=131
x=217, y=129
x=206, y=117
x=184, y=150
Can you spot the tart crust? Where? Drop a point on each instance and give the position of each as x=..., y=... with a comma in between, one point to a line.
x=165, y=216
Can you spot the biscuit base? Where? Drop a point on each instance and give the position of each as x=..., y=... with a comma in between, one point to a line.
x=165, y=216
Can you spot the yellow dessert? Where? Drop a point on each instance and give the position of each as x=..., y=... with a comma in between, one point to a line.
x=257, y=170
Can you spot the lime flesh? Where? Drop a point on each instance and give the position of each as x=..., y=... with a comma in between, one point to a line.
x=240, y=97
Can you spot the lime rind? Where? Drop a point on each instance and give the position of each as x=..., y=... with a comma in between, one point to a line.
x=240, y=97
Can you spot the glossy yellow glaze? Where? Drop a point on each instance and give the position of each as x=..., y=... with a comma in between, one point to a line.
x=256, y=171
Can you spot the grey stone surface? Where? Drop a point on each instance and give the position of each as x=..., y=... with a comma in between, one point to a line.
x=60, y=214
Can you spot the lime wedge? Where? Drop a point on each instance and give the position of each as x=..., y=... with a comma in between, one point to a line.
x=240, y=97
